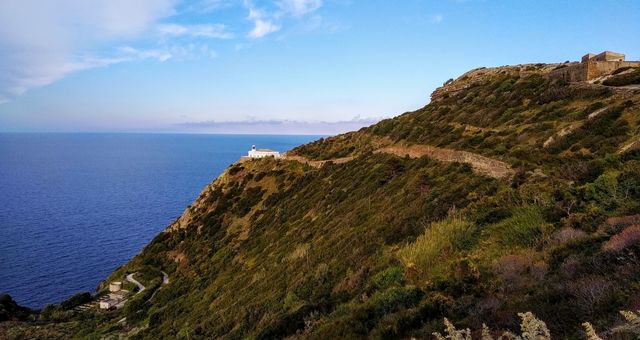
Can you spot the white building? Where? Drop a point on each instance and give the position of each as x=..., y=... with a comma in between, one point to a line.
x=115, y=286
x=108, y=304
x=115, y=298
x=260, y=153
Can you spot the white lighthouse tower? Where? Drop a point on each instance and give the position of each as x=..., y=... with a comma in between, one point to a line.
x=261, y=153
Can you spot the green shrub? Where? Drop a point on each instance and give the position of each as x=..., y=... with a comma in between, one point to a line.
x=524, y=228
x=76, y=300
x=439, y=241
x=392, y=276
x=394, y=298
x=249, y=199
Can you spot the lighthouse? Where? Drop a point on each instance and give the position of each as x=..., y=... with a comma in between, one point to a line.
x=261, y=153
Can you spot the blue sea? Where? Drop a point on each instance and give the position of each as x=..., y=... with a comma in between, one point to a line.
x=74, y=207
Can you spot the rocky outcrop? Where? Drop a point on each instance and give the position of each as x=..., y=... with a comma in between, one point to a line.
x=476, y=76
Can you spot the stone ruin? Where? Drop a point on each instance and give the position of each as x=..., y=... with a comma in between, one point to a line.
x=592, y=67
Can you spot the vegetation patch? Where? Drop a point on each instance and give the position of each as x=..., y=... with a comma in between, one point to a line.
x=440, y=241
x=624, y=78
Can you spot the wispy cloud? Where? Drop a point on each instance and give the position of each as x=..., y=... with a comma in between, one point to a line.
x=129, y=53
x=206, y=31
x=41, y=42
x=437, y=18
x=207, y=6
x=277, y=126
x=266, y=22
x=299, y=7
x=262, y=25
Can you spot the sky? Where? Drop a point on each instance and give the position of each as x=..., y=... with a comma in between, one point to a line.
x=272, y=66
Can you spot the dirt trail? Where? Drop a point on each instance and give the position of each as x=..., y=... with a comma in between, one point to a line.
x=318, y=164
x=136, y=282
x=635, y=145
x=483, y=165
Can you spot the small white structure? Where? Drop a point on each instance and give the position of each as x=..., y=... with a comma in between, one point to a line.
x=261, y=153
x=108, y=304
x=115, y=298
x=115, y=286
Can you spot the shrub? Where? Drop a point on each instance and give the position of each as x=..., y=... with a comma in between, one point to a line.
x=526, y=227
x=438, y=241
x=520, y=270
x=394, y=298
x=567, y=234
x=234, y=169
x=392, y=276
x=532, y=329
x=624, y=239
x=627, y=78
x=76, y=301
x=591, y=292
x=250, y=198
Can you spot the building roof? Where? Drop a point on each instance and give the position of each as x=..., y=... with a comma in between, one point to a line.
x=611, y=53
x=606, y=55
x=265, y=150
x=587, y=57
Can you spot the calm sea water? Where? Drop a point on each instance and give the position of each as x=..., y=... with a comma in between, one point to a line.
x=74, y=207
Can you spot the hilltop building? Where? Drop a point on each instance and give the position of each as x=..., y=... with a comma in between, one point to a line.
x=115, y=286
x=115, y=298
x=592, y=66
x=604, y=56
x=261, y=153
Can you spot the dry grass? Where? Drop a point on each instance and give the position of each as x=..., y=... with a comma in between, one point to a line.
x=439, y=241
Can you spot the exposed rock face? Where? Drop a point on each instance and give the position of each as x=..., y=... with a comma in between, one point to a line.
x=476, y=76
x=10, y=310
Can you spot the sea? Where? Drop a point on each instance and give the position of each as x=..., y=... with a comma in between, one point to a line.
x=74, y=207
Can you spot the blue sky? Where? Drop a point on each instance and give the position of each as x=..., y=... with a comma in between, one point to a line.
x=272, y=66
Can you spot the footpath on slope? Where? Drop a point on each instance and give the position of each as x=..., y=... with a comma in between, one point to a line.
x=165, y=280
x=136, y=282
x=481, y=164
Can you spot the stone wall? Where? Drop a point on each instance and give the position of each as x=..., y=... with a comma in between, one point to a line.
x=589, y=70
x=597, y=69
x=570, y=73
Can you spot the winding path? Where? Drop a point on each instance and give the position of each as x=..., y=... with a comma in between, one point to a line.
x=136, y=282
x=481, y=164
x=165, y=278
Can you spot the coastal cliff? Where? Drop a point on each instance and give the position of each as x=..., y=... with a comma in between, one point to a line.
x=507, y=193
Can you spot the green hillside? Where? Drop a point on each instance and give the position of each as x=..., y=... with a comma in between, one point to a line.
x=386, y=245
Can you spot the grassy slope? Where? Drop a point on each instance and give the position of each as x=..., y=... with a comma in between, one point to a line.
x=386, y=246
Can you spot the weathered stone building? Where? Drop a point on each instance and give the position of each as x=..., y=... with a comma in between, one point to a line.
x=592, y=67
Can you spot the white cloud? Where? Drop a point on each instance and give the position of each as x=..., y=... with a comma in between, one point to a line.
x=207, y=31
x=175, y=51
x=42, y=41
x=129, y=53
x=206, y=6
x=265, y=22
x=299, y=7
x=262, y=28
x=254, y=125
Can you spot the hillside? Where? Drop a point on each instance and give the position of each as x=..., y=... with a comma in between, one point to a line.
x=507, y=193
